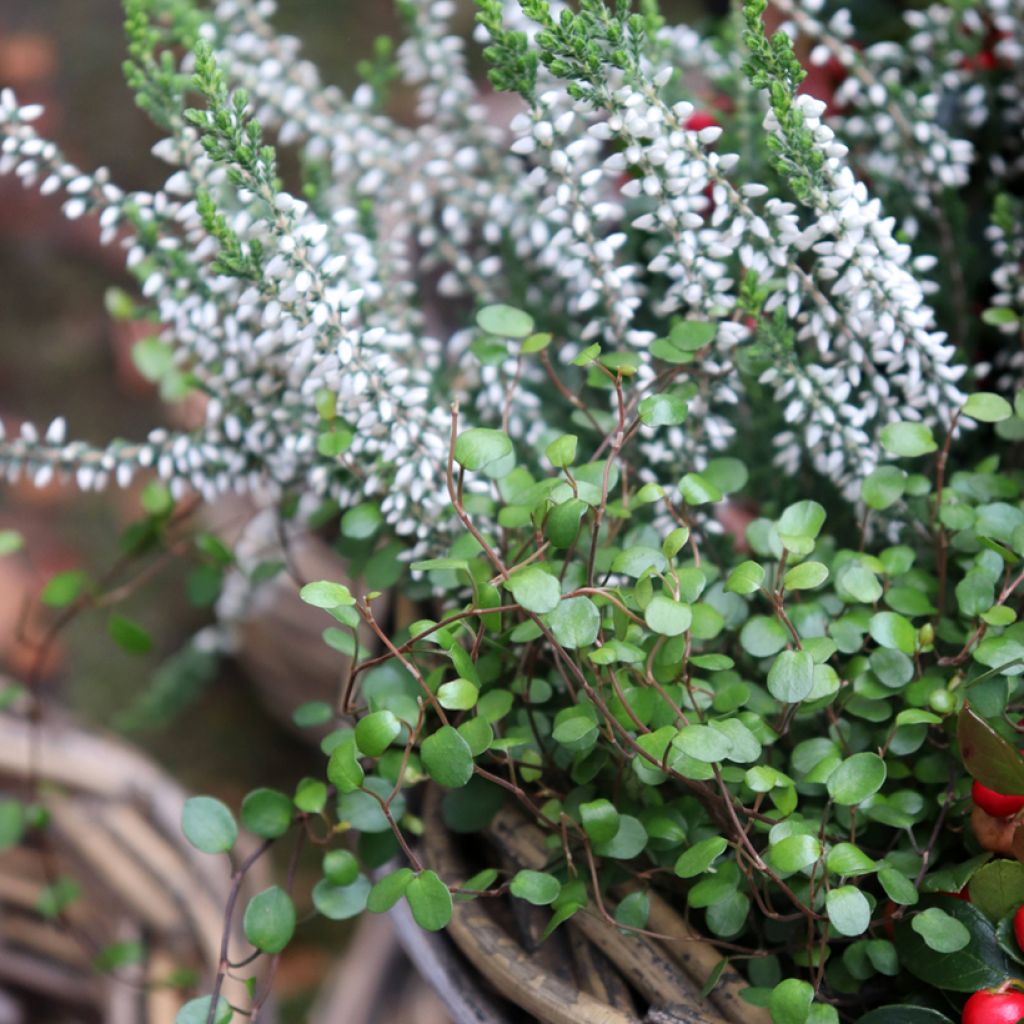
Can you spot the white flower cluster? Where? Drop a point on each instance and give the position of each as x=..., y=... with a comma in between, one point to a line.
x=1006, y=236
x=1008, y=277
x=330, y=363
x=898, y=97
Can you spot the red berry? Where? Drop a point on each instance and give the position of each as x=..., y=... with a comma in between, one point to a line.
x=963, y=894
x=988, y=1007
x=1018, y=926
x=701, y=119
x=996, y=804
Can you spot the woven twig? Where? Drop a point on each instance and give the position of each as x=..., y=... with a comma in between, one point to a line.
x=115, y=827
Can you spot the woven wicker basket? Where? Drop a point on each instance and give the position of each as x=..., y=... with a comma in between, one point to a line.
x=115, y=829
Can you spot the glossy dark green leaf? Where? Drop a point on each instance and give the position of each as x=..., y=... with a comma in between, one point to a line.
x=903, y=1013
x=987, y=756
x=997, y=888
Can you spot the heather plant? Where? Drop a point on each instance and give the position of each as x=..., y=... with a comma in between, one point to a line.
x=300, y=308
x=534, y=369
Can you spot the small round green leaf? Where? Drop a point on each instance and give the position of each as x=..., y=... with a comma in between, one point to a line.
x=600, y=820
x=343, y=768
x=269, y=920
x=746, y=578
x=313, y=712
x=898, y=887
x=941, y=932
x=324, y=594
x=627, y=843
x=703, y=743
x=562, y=451
x=536, y=887
x=389, y=890
x=267, y=813
x=908, y=440
x=310, y=795
x=480, y=447
x=663, y=410
x=846, y=859
x=535, y=590
x=362, y=521
x=884, y=487
x=340, y=867
x=806, y=576
x=10, y=542
x=795, y=852
x=892, y=630
x=761, y=637
x=699, y=857
x=791, y=677
x=447, y=757
x=999, y=316
x=576, y=622
x=799, y=525
x=430, y=901
x=63, y=588
x=208, y=824
x=790, y=1002
x=12, y=823
x=668, y=617
x=698, y=491
x=729, y=475
x=857, y=582
x=375, y=732
x=129, y=635
x=857, y=778
x=197, y=1011
x=340, y=902
x=848, y=909
x=457, y=695
x=987, y=407
x=505, y=321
